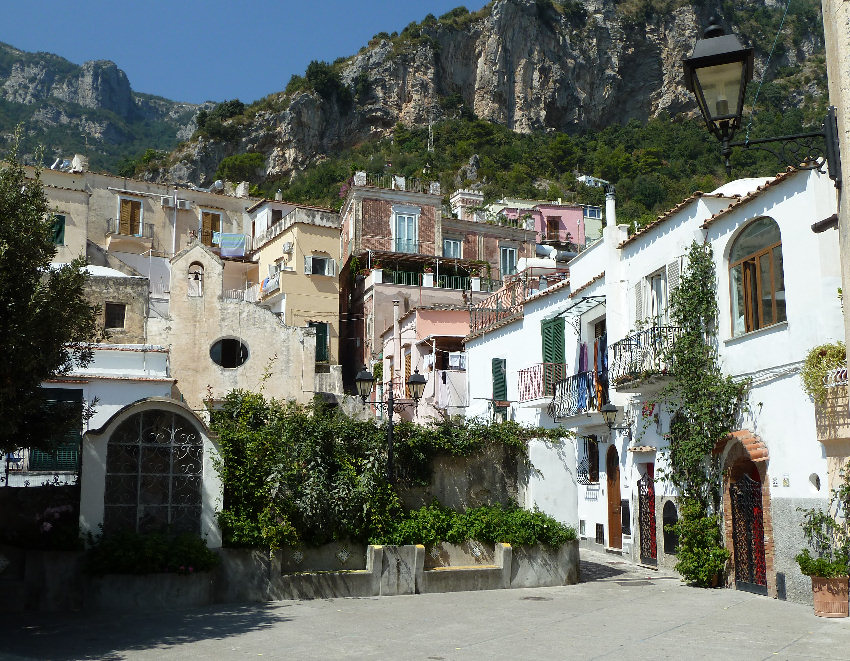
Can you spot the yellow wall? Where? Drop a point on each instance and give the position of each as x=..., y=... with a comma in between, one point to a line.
x=308, y=297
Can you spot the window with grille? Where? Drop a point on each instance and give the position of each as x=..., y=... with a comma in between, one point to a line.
x=154, y=465
x=756, y=277
x=114, y=313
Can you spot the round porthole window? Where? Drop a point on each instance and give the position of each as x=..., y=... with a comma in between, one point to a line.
x=229, y=353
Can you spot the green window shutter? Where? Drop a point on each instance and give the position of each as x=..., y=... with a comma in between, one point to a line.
x=552, y=335
x=321, y=341
x=58, y=229
x=500, y=382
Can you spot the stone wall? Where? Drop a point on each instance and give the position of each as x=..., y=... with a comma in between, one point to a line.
x=132, y=292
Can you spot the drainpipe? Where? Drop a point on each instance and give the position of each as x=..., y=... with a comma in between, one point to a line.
x=396, y=339
x=174, y=228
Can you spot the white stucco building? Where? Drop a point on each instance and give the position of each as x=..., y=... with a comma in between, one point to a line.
x=603, y=337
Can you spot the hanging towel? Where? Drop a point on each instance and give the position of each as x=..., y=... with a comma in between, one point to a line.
x=216, y=238
x=232, y=245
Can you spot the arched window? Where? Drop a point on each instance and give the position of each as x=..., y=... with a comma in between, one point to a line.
x=196, y=279
x=756, y=277
x=154, y=463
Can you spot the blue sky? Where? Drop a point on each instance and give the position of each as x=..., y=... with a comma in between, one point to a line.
x=193, y=50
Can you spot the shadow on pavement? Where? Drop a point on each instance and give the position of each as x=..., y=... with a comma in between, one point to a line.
x=101, y=636
x=596, y=571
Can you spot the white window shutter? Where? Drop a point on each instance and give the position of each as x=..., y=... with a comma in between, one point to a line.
x=331, y=267
x=674, y=270
x=272, y=269
x=308, y=265
x=638, y=301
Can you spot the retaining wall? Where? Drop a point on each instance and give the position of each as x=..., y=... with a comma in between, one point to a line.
x=57, y=582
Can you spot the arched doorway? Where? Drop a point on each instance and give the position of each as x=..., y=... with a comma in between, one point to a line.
x=615, y=524
x=748, y=552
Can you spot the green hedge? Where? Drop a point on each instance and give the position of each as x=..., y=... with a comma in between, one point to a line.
x=518, y=527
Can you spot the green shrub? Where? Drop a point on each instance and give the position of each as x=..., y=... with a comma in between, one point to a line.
x=137, y=553
x=489, y=524
x=822, y=567
x=702, y=558
x=240, y=167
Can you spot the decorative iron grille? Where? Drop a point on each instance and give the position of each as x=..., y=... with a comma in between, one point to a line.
x=748, y=535
x=580, y=393
x=154, y=463
x=646, y=518
x=641, y=354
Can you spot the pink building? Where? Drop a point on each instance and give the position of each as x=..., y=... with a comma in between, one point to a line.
x=428, y=338
x=553, y=223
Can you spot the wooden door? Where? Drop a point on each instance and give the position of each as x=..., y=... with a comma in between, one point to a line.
x=615, y=524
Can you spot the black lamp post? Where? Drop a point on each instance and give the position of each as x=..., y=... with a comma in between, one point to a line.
x=717, y=72
x=365, y=380
x=609, y=415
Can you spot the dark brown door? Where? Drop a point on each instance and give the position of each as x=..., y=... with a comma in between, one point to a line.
x=615, y=525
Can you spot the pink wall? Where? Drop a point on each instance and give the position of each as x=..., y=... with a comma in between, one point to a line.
x=442, y=322
x=570, y=220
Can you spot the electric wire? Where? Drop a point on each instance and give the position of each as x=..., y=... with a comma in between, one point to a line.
x=764, y=71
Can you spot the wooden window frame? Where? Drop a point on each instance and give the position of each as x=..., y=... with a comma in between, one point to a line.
x=750, y=314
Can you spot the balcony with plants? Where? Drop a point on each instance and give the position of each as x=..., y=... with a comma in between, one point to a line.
x=824, y=375
x=642, y=361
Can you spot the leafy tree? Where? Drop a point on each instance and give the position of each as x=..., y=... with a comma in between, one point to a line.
x=45, y=320
x=240, y=167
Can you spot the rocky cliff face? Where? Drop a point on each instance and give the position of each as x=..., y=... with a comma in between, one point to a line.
x=528, y=64
x=93, y=103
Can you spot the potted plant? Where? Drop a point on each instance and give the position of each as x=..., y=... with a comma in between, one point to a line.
x=827, y=533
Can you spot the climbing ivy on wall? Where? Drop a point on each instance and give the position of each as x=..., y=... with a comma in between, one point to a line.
x=297, y=474
x=706, y=405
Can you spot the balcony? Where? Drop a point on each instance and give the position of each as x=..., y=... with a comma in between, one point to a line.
x=642, y=362
x=581, y=393
x=506, y=304
x=127, y=239
x=537, y=383
x=832, y=415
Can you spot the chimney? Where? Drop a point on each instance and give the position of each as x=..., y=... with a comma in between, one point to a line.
x=610, y=211
x=279, y=195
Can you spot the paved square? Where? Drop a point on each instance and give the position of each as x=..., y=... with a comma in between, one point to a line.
x=619, y=611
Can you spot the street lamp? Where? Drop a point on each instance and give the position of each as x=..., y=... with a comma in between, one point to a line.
x=717, y=72
x=609, y=415
x=365, y=380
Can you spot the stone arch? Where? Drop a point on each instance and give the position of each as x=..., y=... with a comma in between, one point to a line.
x=195, y=276
x=745, y=456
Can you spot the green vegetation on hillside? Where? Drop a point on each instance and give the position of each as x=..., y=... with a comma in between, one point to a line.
x=654, y=165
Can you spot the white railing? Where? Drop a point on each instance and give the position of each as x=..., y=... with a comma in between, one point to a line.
x=249, y=295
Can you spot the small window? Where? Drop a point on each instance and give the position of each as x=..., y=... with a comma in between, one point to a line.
x=114, y=313
x=58, y=229
x=593, y=212
x=507, y=260
x=229, y=353
x=317, y=265
x=451, y=248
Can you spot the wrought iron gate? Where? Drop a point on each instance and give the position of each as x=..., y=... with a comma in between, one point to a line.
x=646, y=516
x=748, y=535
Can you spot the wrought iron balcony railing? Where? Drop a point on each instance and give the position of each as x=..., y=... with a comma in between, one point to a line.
x=581, y=393
x=538, y=381
x=113, y=226
x=642, y=354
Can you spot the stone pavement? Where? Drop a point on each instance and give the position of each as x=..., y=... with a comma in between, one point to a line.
x=618, y=611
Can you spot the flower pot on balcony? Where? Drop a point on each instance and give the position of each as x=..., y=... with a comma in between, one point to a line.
x=830, y=596
x=475, y=283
